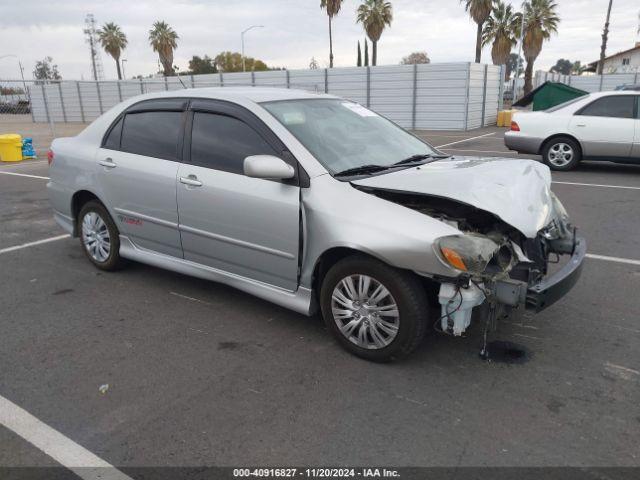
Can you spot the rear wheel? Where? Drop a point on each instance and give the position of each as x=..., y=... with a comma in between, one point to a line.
x=375, y=311
x=99, y=236
x=561, y=153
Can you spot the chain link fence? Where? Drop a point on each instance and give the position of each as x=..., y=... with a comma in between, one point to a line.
x=447, y=96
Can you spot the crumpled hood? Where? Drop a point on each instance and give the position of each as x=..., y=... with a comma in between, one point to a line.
x=516, y=191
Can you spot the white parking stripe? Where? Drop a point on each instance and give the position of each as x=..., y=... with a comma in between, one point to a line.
x=23, y=175
x=628, y=261
x=466, y=140
x=62, y=449
x=597, y=185
x=33, y=244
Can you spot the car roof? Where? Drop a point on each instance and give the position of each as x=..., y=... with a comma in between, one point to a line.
x=613, y=92
x=253, y=94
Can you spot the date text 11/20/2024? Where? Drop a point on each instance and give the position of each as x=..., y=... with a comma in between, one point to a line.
x=316, y=472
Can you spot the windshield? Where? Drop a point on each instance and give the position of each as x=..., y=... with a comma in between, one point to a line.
x=344, y=135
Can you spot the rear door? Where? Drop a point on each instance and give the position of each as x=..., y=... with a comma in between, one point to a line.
x=241, y=225
x=137, y=168
x=606, y=126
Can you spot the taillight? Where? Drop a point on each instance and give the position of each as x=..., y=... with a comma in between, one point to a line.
x=50, y=156
x=515, y=127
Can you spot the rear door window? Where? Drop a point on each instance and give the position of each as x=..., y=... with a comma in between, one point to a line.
x=153, y=134
x=618, y=106
x=112, y=142
x=222, y=142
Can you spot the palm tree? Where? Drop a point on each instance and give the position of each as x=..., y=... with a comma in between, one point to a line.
x=541, y=20
x=479, y=10
x=503, y=29
x=113, y=41
x=374, y=16
x=163, y=39
x=332, y=7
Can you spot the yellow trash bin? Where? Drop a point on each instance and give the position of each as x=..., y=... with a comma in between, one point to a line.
x=10, y=147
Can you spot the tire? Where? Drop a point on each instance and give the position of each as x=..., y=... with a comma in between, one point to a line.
x=561, y=154
x=404, y=290
x=99, y=236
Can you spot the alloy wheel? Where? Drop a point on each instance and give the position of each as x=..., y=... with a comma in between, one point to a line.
x=95, y=237
x=365, y=312
x=560, y=154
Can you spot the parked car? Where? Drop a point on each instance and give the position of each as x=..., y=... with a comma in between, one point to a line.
x=629, y=86
x=598, y=126
x=314, y=203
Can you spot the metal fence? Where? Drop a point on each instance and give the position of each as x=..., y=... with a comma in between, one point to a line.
x=589, y=83
x=440, y=96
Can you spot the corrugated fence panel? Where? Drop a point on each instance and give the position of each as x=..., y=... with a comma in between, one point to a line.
x=440, y=96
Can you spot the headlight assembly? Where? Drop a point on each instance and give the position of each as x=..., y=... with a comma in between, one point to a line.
x=475, y=254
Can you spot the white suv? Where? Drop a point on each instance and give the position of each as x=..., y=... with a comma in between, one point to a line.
x=599, y=126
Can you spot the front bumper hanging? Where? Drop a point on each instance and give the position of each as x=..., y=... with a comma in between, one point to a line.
x=553, y=288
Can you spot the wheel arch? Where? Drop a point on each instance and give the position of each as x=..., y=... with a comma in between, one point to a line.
x=78, y=200
x=560, y=135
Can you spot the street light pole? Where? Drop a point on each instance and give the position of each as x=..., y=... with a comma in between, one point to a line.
x=24, y=84
x=242, y=41
x=124, y=76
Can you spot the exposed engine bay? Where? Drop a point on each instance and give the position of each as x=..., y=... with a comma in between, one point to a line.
x=497, y=262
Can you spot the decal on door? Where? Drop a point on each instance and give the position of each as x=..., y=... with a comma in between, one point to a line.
x=129, y=220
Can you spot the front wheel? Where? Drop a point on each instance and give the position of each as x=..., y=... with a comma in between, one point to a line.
x=561, y=154
x=375, y=311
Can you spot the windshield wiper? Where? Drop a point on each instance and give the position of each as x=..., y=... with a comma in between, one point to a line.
x=361, y=170
x=418, y=159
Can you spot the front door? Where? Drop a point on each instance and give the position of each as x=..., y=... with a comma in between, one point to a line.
x=606, y=126
x=241, y=225
x=137, y=169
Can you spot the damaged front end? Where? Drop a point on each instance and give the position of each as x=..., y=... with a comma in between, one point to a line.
x=499, y=268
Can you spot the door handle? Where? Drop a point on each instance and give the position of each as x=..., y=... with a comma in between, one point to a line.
x=191, y=180
x=108, y=163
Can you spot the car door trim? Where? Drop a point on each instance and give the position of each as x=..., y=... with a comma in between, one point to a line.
x=233, y=241
x=299, y=300
x=147, y=218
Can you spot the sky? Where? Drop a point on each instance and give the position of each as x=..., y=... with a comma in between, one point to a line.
x=294, y=31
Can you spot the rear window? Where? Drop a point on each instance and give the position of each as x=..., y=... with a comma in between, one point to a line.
x=153, y=134
x=112, y=141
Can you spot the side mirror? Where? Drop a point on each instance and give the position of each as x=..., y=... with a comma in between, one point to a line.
x=268, y=167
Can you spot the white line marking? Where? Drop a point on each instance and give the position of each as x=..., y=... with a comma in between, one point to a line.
x=466, y=140
x=620, y=367
x=24, y=175
x=192, y=299
x=33, y=244
x=62, y=449
x=597, y=185
x=628, y=261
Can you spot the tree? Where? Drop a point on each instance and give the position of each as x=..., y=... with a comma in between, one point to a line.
x=512, y=64
x=605, y=38
x=502, y=28
x=414, y=58
x=359, y=61
x=577, y=68
x=366, y=53
x=562, y=66
x=479, y=11
x=45, y=69
x=232, y=62
x=541, y=20
x=198, y=66
x=332, y=7
x=313, y=64
x=164, y=41
x=375, y=15
x=114, y=41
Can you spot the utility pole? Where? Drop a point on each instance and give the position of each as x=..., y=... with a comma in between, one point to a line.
x=92, y=39
x=605, y=36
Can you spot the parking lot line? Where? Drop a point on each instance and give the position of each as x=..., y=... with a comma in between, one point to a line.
x=33, y=244
x=598, y=185
x=466, y=140
x=23, y=175
x=62, y=449
x=628, y=261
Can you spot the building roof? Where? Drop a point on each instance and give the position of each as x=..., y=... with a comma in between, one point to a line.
x=637, y=47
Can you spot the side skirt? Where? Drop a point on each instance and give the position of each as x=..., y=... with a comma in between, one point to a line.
x=298, y=301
